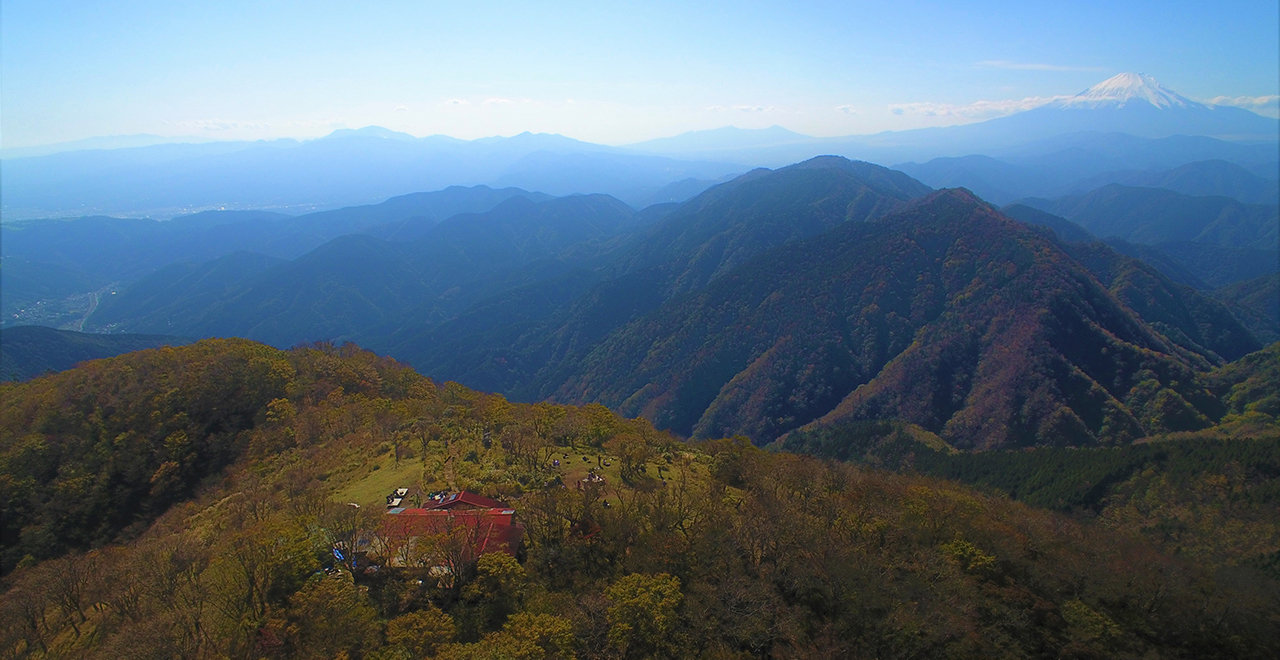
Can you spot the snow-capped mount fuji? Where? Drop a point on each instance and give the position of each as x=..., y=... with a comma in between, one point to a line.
x=1120, y=90
x=1132, y=103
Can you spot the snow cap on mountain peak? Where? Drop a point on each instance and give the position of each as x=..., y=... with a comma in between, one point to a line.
x=1123, y=88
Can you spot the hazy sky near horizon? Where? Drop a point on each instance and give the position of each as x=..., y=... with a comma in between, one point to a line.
x=598, y=71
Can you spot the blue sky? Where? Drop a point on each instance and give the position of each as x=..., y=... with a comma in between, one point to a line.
x=597, y=71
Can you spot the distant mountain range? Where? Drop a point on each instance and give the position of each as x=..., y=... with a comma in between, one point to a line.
x=823, y=292
x=1198, y=179
x=1122, y=267
x=48, y=259
x=357, y=281
x=1129, y=122
x=345, y=168
x=1154, y=215
x=1073, y=172
x=1129, y=103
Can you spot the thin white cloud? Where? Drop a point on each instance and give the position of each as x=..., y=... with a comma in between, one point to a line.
x=317, y=123
x=1034, y=66
x=219, y=124
x=402, y=108
x=748, y=108
x=976, y=110
x=847, y=109
x=499, y=101
x=1248, y=102
x=715, y=108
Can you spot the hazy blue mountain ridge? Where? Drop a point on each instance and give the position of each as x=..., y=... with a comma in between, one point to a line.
x=356, y=282
x=346, y=168
x=1129, y=122
x=84, y=254
x=1080, y=170
x=1153, y=215
x=30, y=351
x=1199, y=179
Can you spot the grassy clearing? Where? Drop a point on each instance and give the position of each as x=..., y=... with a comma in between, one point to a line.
x=372, y=488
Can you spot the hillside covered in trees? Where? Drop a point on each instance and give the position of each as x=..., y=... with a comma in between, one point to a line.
x=1212, y=495
x=182, y=502
x=945, y=314
x=825, y=291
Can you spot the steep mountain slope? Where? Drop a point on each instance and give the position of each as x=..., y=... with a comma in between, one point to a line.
x=947, y=315
x=690, y=246
x=1151, y=215
x=680, y=191
x=1256, y=303
x=1065, y=229
x=1202, y=327
x=1170, y=267
x=30, y=351
x=1201, y=266
x=1220, y=265
x=721, y=229
x=170, y=292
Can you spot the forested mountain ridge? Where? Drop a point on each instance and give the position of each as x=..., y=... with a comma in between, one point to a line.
x=691, y=245
x=1198, y=179
x=156, y=300
x=722, y=228
x=716, y=549
x=1209, y=495
x=671, y=314
x=1195, y=167
x=1163, y=290
x=1256, y=303
x=1202, y=327
x=1203, y=266
x=357, y=282
x=948, y=311
x=1152, y=215
x=46, y=260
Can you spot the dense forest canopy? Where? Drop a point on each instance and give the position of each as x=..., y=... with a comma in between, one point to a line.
x=181, y=502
